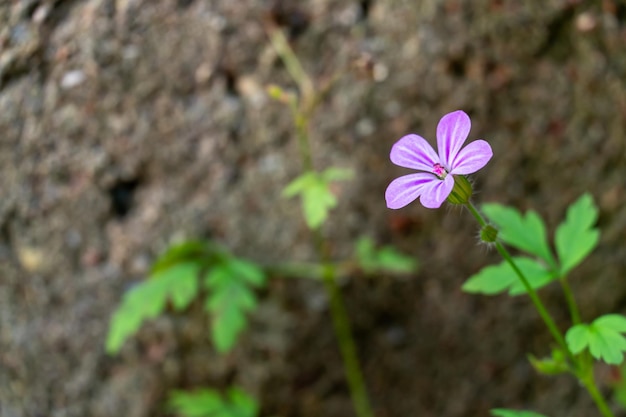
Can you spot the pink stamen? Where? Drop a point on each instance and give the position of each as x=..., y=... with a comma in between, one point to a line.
x=439, y=171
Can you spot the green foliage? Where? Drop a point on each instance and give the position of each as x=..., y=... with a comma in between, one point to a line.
x=209, y=403
x=576, y=237
x=496, y=279
x=231, y=296
x=527, y=233
x=315, y=193
x=174, y=280
x=148, y=299
x=385, y=259
x=554, y=365
x=603, y=337
x=501, y=412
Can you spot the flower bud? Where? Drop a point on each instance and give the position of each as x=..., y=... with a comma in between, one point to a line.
x=462, y=190
x=488, y=234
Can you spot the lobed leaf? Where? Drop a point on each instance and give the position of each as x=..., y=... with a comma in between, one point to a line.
x=527, y=233
x=209, y=403
x=178, y=283
x=315, y=193
x=231, y=295
x=576, y=237
x=603, y=338
x=496, y=279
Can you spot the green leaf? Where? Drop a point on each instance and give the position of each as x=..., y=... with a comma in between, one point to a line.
x=385, y=259
x=178, y=283
x=496, y=279
x=189, y=251
x=603, y=338
x=501, y=412
x=554, y=365
x=576, y=237
x=209, y=403
x=527, y=233
x=231, y=296
x=315, y=194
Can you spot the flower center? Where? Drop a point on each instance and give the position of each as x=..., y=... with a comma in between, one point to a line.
x=439, y=171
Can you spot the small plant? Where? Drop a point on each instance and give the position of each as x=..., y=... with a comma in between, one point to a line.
x=179, y=276
x=443, y=178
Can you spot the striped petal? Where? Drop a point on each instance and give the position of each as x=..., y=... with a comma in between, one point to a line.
x=406, y=189
x=472, y=158
x=436, y=192
x=452, y=131
x=413, y=151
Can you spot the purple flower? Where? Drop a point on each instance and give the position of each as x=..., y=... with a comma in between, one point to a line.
x=435, y=183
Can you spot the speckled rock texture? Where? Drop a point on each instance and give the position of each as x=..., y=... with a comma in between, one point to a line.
x=128, y=124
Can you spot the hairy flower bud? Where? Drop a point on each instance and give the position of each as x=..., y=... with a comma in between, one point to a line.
x=462, y=190
x=488, y=234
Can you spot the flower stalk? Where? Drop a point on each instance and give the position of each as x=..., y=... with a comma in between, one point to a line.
x=302, y=108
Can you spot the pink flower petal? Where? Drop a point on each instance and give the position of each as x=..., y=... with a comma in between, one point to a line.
x=406, y=189
x=452, y=131
x=472, y=158
x=436, y=192
x=413, y=151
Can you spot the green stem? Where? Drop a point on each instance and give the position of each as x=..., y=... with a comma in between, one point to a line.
x=356, y=382
x=571, y=302
x=291, y=61
x=590, y=384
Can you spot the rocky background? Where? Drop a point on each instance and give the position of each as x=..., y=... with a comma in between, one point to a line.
x=128, y=124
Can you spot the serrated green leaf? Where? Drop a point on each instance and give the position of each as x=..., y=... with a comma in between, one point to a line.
x=248, y=271
x=615, y=322
x=501, y=412
x=209, y=403
x=576, y=237
x=607, y=345
x=230, y=297
x=495, y=279
x=315, y=194
x=603, y=338
x=148, y=299
x=201, y=403
x=299, y=185
x=226, y=325
x=577, y=338
x=317, y=201
x=527, y=233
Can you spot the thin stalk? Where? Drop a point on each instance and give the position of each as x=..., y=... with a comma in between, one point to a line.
x=590, y=384
x=343, y=332
x=571, y=302
x=291, y=61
